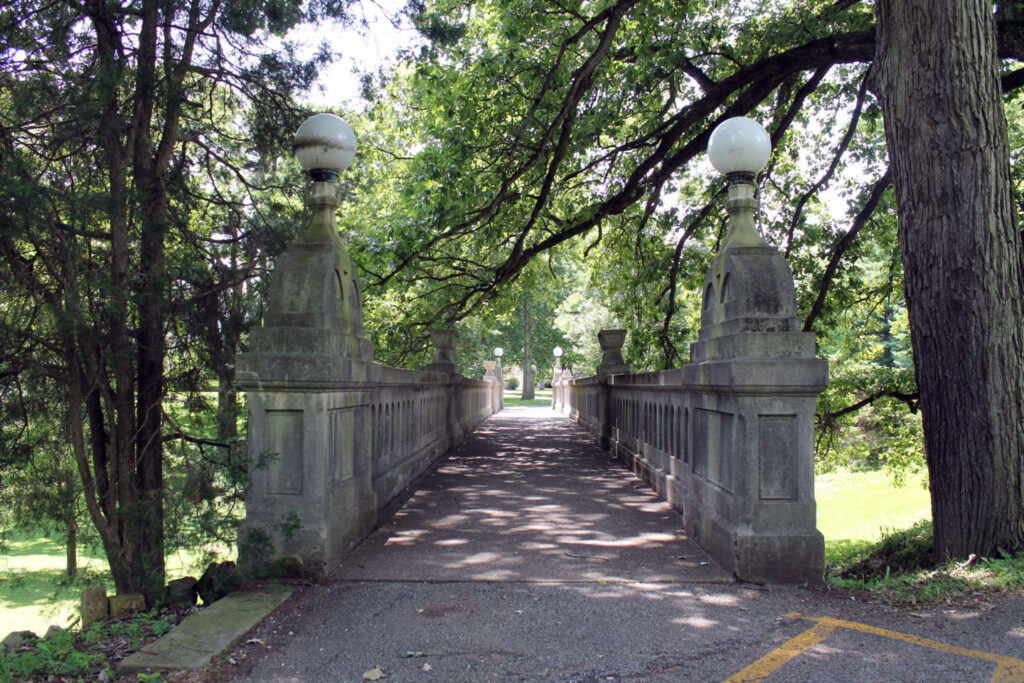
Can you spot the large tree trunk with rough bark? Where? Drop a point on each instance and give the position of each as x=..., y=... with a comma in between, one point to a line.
x=946, y=132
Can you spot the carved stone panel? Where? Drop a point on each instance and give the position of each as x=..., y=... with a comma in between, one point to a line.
x=713, y=451
x=284, y=443
x=340, y=441
x=777, y=457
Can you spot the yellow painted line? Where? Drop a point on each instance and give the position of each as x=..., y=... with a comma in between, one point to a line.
x=1008, y=669
x=765, y=666
x=1009, y=672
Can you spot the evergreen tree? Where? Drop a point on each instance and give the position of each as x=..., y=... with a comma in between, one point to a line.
x=121, y=126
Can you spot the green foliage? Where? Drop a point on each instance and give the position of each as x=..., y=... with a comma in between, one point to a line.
x=564, y=134
x=67, y=655
x=290, y=523
x=512, y=383
x=54, y=657
x=144, y=192
x=494, y=172
x=899, y=550
x=206, y=478
x=868, y=415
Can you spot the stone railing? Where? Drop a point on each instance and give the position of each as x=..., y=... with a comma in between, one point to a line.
x=726, y=439
x=414, y=422
x=334, y=436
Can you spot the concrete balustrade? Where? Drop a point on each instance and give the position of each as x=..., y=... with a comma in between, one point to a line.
x=334, y=436
x=727, y=439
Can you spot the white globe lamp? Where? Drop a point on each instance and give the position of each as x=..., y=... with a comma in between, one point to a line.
x=740, y=148
x=325, y=145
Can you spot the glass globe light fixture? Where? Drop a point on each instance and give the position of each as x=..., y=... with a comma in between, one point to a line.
x=499, y=352
x=740, y=148
x=325, y=145
x=558, y=352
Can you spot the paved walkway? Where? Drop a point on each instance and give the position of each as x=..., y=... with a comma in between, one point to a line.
x=530, y=555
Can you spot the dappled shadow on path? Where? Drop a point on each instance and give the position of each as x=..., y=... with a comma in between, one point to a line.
x=527, y=554
x=529, y=497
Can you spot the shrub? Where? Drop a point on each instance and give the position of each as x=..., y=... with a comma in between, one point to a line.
x=512, y=383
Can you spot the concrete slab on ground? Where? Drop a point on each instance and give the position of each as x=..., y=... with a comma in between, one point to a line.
x=206, y=633
x=576, y=632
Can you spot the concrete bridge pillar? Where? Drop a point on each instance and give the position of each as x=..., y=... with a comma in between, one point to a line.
x=727, y=438
x=309, y=433
x=752, y=421
x=491, y=377
x=333, y=436
x=444, y=342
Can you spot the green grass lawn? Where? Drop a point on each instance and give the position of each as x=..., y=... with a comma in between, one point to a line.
x=35, y=592
x=542, y=397
x=854, y=508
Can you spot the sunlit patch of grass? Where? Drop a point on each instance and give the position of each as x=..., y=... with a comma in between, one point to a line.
x=35, y=591
x=856, y=506
x=542, y=397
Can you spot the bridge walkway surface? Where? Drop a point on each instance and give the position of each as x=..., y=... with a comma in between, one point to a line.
x=529, y=554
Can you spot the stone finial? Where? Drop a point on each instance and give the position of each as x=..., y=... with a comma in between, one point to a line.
x=312, y=333
x=489, y=374
x=611, y=342
x=444, y=351
x=749, y=290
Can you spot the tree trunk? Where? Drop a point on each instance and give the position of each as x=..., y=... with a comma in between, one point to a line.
x=528, y=375
x=946, y=132
x=227, y=409
x=108, y=528
x=71, y=548
x=227, y=394
x=115, y=428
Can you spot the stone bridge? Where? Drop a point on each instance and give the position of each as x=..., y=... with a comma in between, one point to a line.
x=726, y=439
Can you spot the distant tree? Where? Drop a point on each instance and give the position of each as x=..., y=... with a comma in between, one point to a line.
x=39, y=487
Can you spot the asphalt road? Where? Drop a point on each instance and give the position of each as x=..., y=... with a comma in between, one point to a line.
x=531, y=555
